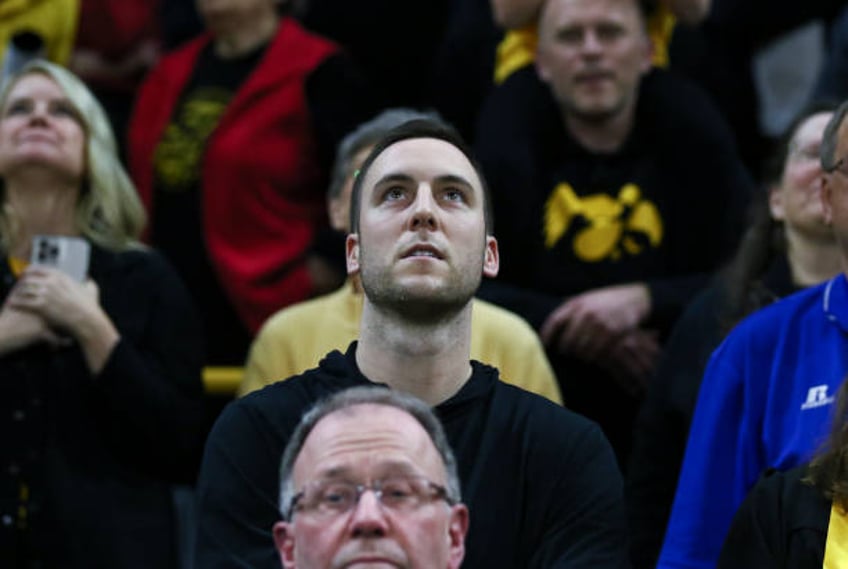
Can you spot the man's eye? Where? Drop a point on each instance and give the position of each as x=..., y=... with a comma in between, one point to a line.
x=608, y=33
x=336, y=495
x=393, y=194
x=454, y=195
x=396, y=492
x=570, y=35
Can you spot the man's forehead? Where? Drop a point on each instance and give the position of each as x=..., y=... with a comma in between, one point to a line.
x=366, y=430
x=422, y=158
x=557, y=13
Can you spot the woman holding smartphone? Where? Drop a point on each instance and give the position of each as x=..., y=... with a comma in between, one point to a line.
x=99, y=380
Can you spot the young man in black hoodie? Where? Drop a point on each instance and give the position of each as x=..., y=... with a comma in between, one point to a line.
x=540, y=482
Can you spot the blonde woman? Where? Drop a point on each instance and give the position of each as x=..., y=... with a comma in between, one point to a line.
x=101, y=377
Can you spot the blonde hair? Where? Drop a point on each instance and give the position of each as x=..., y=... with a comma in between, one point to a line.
x=109, y=212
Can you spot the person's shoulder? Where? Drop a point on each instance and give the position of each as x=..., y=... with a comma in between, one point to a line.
x=301, y=314
x=294, y=31
x=755, y=337
x=183, y=54
x=295, y=47
x=296, y=393
x=517, y=106
x=500, y=320
x=136, y=259
x=771, y=318
x=676, y=105
x=791, y=493
x=536, y=414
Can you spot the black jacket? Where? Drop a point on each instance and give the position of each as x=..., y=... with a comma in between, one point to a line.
x=86, y=461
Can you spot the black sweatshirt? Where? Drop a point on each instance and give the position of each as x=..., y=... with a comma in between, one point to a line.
x=540, y=482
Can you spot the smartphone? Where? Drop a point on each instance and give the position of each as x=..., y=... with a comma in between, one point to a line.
x=68, y=254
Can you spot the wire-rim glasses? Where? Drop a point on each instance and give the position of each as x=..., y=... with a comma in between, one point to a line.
x=326, y=498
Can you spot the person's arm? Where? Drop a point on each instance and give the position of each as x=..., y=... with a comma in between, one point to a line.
x=238, y=491
x=70, y=306
x=722, y=461
x=150, y=385
x=269, y=359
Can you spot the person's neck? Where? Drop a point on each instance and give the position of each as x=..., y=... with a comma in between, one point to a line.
x=605, y=135
x=812, y=260
x=430, y=361
x=244, y=40
x=41, y=206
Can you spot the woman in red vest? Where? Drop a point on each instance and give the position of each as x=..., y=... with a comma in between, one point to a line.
x=230, y=144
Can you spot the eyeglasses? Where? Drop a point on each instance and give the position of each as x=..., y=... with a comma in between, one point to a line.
x=841, y=166
x=325, y=498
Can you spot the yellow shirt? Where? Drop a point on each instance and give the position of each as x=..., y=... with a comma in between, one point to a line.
x=518, y=47
x=297, y=337
x=54, y=20
x=836, y=546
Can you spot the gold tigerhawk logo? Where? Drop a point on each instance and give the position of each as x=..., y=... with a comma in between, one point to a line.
x=612, y=222
x=178, y=155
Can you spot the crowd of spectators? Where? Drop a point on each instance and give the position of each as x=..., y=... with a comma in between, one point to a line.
x=670, y=267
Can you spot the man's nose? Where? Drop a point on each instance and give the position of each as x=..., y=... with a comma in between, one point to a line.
x=368, y=517
x=592, y=44
x=424, y=209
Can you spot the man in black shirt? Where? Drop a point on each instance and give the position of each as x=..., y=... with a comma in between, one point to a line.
x=540, y=482
x=616, y=190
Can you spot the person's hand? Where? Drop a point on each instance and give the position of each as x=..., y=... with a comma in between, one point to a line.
x=20, y=329
x=632, y=359
x=61, y=301
x=586, y=325
x=65, y=304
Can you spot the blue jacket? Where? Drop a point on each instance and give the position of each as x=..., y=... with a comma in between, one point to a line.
x=765, y=402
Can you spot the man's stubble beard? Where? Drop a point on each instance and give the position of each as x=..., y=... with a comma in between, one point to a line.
x=421, y=304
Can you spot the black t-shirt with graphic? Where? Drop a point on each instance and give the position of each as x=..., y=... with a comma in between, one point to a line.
x=666, y=208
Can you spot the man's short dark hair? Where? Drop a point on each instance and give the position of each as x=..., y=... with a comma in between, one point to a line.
x=419, y=128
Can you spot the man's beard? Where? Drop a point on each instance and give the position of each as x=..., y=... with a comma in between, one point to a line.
x=421, y=304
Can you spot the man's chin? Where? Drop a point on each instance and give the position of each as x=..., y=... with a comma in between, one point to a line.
x=595, y=111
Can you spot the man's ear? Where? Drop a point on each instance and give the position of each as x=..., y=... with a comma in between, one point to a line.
x=284, y=540
x=491, y=258
x=457, y=530
x=352, y=253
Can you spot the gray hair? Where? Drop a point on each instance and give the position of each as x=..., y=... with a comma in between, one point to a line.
x=109, y=211
x=365, y=135
x=830, y=138
x=355, y=396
